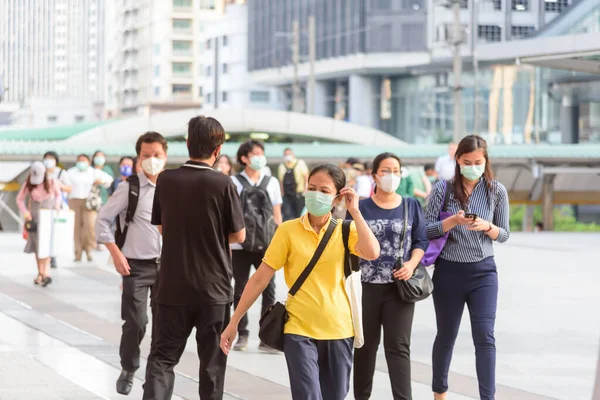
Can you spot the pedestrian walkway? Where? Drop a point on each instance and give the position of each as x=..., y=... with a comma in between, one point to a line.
x=61, y=342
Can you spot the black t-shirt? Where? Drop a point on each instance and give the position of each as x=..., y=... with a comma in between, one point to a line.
x=198, y=208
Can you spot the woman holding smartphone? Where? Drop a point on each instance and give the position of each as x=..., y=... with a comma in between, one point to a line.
x=465, y=271
x=318, y=337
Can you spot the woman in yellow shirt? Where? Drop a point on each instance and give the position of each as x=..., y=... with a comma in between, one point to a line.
x=319, y=334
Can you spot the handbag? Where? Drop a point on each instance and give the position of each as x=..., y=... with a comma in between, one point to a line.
x=420, y=285
x=353, y=286
x=273, y=320
x=94, y=201
x=31, y=225
x=437, y=245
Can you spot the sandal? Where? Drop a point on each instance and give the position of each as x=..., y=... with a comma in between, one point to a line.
x=46, y=281
x=38, y=280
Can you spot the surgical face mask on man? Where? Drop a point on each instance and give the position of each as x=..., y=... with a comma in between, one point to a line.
x=82, y=165
x=49, y=163
x=389, y=183
x=153, y=165
x=472, y=172
x=257, y=163
x=99, y=161
x=289, y=158
x=318, y=203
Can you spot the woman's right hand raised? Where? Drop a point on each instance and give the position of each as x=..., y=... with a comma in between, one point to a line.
x=460, y=219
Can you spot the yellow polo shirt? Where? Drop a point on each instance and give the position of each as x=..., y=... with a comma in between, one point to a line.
x=320, y=310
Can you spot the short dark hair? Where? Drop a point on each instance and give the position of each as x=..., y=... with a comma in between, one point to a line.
x=84, y=156
x=246, y=148
x=150, y=137
x=368, y=165
x=352, y=161
x=335, y=172
x=52, y=154
x=125, y=158
x=429, y=167
x=205, y=134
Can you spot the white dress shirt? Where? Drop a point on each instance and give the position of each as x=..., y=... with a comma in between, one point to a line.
x=445, y=166
x=273, y=189
x=143, y=241
x=82, y=181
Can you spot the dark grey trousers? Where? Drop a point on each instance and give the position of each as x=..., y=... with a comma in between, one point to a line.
x=382, y=307
x=319, y=369
x=134, y=306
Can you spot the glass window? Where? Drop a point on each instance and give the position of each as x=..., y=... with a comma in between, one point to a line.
x=225, y=41
x=156, y=49
x=225, y=68
x=556, y=5
x=157, y=70
x=182, y=3
x=208, y=71
x=209, y=97
x=182, y=68
x=52, y=118
x=179, y=88
x=79, y=118
x=521, y=31
x=520, y=5
x=208, y=44
x=182, y=24
x=259, y=96
x=224, y=96
x=489, y=33
x=182, y=45
x=156, y=91
x=200, y=91
x=207, y=4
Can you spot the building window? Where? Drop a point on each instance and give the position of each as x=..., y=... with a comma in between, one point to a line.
x=224, y=97
x=207, y=4
x=182, y=89
x=489, y=33
x=522, y=31
x=208, y=71
x=556, y=5
x=209, y=98
x=157, y=91
x=182, y=46
x=260, y=96
x=182, y=3
x=225, y=41
x=157, y=70
x=208, y=44
x=181, y=24
x=181, y=68
x=51, y=119
x=200, y=91
x=520, y=5
x=225, y=68
x=79, y=118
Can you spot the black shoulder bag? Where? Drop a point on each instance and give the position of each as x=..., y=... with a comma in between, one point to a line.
x=420, y=285
x=132, y=202
x=273, y=320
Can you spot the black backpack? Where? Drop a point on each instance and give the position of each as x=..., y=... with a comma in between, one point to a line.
x=289, y=182
x=134, y=194
x=258, y=215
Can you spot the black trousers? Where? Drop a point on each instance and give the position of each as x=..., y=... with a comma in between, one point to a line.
x=134, y=306
x=173, y=325
x=292, y=206
x=242, y=262
x=382, y=307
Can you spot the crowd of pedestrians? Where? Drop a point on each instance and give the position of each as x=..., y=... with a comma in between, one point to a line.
x=180, y=238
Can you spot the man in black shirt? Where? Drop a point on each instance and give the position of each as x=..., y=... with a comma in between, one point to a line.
x=199, y=214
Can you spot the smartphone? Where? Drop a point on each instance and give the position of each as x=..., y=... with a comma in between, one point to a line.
x=471, y=216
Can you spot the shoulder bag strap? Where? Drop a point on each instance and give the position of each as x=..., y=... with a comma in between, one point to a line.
x=265, y=182
x=311, y=265
x=243, y=181
x=132, y=202
x=400, y=261
x=350, y=260
x=446, y=196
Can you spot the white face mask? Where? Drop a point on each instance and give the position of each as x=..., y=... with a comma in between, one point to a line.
x=389, y=183
x=288, y=158
x=152, y=166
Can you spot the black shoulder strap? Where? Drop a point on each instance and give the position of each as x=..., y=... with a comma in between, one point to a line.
x=132, y=202
x=265, y=182
x=315, y=258
x=243, y=181
x=400, y=261
x=447, y=186
x=350, y=260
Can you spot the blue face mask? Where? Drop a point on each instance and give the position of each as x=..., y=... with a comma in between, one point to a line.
x=472, y=172
x=319, y=204
x=126, y=170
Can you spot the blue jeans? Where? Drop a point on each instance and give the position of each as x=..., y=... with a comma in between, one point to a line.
x=319, y=369
x=476, y=285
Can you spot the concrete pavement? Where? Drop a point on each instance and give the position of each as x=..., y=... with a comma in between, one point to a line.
x=547, y=330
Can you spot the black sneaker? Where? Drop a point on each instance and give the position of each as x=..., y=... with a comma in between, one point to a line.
x=266, y=349
x=125, y=382
x=241, y=344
